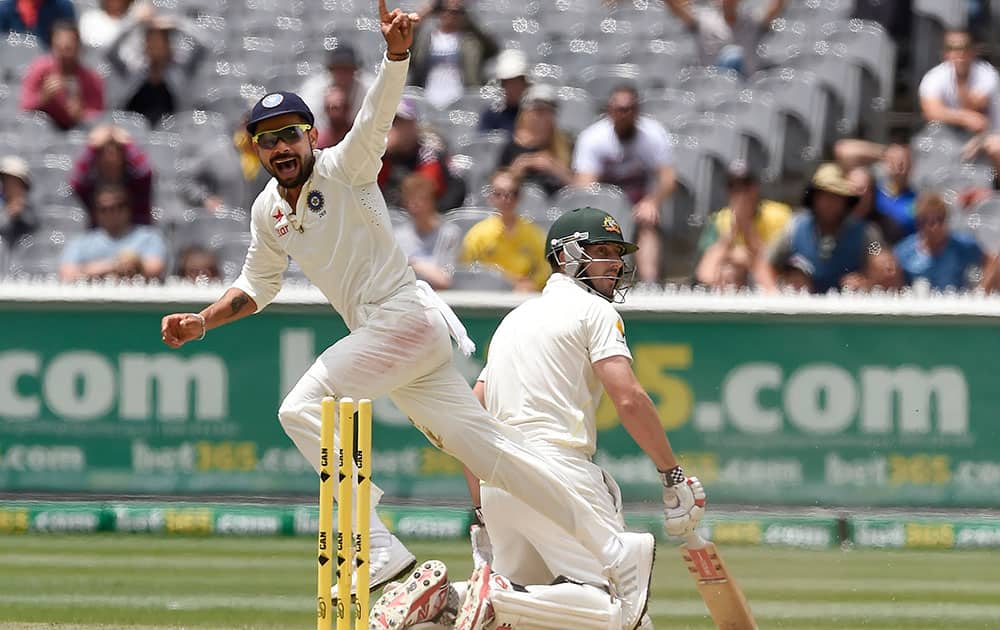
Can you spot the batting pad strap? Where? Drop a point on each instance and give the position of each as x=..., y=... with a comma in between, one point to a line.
x=556, y=607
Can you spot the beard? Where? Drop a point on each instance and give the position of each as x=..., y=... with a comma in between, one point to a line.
x=305, y=169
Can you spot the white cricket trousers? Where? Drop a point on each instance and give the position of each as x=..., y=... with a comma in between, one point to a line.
x=404, y=351
x=528, y=548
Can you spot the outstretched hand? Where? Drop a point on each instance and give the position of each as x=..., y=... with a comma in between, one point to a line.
x=397, y=29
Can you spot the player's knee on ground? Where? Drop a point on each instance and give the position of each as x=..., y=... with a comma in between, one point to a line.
x=557, y=607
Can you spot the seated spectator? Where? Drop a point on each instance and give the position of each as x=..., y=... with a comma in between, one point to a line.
x=112, y=158
x=632, y=152
x=412, y=149
x=343, y=71
x=882, y=271
x=100, y=25
x=740, y=232
x=795, y=273
x=539, y=152
x=338, y=120
x=508, y=241
x=157, y=83
x=834, y=243
x=222, y=173
x=35, y=17
x=882, y=175
x=198, y=265
x=17, y=216
x=985, y=143
x=934, y=254
x=960, y=91
x=449, y=51
x=430, y=244
x=115, y=247
x=726, y=36
x=512, y=73
x=59, y=85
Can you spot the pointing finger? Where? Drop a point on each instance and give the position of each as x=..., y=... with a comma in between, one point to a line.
x=382, y=11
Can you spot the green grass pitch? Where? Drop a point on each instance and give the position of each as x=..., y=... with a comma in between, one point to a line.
x=119, y=581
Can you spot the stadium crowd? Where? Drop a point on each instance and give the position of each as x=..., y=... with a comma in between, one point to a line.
x=743, y=143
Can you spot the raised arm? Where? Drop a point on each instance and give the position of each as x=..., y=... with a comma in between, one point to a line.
x=359, y=155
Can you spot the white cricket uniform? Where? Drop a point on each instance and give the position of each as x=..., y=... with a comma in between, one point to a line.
x=340, y=235
x=539, y=377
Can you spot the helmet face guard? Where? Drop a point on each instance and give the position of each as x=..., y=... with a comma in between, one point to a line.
x=576, y=264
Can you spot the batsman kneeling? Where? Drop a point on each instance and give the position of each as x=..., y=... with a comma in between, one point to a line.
x=549, y=363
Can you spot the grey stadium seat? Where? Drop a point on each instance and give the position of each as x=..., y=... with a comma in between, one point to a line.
x=70, y=220
x=476, y=158
x=802, y=103
x=36, y=256
x=467, y=216
x=17, y=51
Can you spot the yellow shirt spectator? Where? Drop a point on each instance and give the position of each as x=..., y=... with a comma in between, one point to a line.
x=519, y=252
x=768, y=223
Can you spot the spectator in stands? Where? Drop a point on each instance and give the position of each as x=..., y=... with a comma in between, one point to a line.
x=834, y=243
x=100, y=25
x=737, y=236
x=943, y=259
x=538, y=152
x=632, y=152
x=17, y=216
x=430, y=244
x=157, y=83
x=726, y=36
x=111, y=157
x=338, y=119
x=985, y=143
x=449, y=52
x=412, y=149
x=342, y=70
x=882, y=271
x=512, y=74
x=198, y=265
x=961, y=90
x=115, y=247
x=222, y=173
x=882, y=174
x=35, y=17
x=508, y=240
x=59, y=85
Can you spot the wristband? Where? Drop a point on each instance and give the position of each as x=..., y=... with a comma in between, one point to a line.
x=673, y=477
x=403, y=56
x=477, y=515
x=204, y=326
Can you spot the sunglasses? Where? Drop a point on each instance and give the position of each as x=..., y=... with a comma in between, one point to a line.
x=289, y=135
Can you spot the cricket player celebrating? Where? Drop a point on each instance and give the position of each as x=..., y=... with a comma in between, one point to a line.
x=324, y=209
x=549, y=362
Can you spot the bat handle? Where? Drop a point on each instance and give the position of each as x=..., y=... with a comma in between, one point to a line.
x=695, y=541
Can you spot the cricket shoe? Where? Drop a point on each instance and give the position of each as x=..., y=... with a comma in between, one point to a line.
x=420, y=598
x=630, y=576
x=385, y=565
x=477, y=610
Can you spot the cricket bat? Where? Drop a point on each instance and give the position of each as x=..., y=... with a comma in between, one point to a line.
x=723, y=596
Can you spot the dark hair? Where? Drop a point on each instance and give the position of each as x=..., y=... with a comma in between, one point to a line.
x=624, y=86
x=110, y=188
x=65, y=25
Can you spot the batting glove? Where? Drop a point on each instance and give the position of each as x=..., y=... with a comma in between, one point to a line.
x=683, y=502
x=482, y=547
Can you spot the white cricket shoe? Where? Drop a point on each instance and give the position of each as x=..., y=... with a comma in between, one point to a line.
x=385, y=565
x=630, y=576
x=477, y=610
x=421, y=598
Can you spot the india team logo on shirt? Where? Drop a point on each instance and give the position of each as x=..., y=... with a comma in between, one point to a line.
x=610, y=225
x=314, y=201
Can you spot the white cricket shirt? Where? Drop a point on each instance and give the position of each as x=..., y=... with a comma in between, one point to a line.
x=539, y=374
x=339, y=233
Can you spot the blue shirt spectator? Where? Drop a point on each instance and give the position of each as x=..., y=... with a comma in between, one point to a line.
x=897, y=206
x=35, y=17
x=933, y=253
x=116, y=247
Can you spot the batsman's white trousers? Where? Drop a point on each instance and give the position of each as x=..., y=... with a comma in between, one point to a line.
x=528, y=547
x=404, y=351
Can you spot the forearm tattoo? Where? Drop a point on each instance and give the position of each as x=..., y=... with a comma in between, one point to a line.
x=238, y=303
